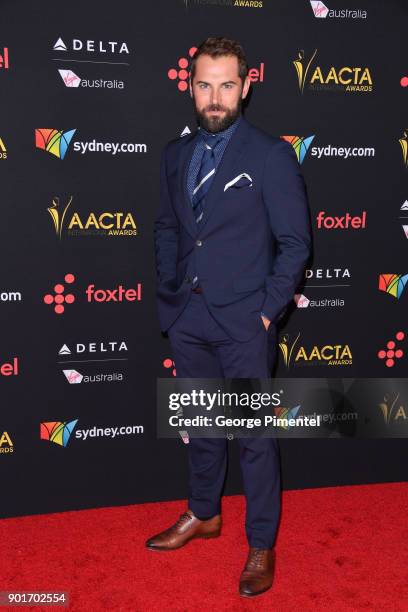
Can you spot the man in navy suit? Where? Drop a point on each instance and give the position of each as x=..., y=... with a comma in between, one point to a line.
x=232, y=239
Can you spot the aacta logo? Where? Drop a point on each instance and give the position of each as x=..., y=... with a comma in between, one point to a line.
x=329, y=354
x=53, y=141
x=345, y=79
x=6, y=445
x=393, y=284
x=404, y=146
x=57, y=431
x=392, y=410
x=3, y=150
x=9, y=368
x=181, y=73
x=300, y=144
x=4, y=59
x=94, y=224
x=92, y=46
x=321, y=11
x=347, y=221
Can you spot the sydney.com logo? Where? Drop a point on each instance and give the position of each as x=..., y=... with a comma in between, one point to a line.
x=57, y=143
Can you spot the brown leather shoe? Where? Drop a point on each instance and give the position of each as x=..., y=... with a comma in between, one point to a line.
x=257, y=575
x=185, y=529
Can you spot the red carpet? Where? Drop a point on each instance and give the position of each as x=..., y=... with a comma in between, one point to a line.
x=342, y=548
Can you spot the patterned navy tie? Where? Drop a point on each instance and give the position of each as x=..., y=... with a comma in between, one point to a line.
x=205, y=175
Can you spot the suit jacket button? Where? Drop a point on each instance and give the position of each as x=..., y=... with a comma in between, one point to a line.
x=187, y=279
x=199, y=243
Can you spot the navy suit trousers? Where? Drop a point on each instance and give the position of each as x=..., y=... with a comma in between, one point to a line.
x=202, y=349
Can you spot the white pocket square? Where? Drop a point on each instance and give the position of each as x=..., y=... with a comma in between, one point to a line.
x=238, y=178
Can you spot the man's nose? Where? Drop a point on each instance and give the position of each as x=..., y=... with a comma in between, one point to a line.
x=214, y=96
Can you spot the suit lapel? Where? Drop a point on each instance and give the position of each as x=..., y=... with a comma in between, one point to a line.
x=229, y=164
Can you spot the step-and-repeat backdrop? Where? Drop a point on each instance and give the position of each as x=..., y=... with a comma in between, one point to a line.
x=89, y=95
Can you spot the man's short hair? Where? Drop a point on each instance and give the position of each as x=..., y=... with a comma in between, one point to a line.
x=219, y=47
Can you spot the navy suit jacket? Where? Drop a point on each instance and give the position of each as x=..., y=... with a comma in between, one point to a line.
x=250, y=250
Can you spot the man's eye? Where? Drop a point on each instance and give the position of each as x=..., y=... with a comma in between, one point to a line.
x=228, y=85
x=202, y=85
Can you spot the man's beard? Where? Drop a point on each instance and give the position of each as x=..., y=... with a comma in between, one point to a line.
x=214, y=124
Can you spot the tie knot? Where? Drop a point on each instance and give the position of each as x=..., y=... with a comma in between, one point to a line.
x=211, y=140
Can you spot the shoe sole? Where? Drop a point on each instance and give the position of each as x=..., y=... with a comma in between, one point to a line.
x=249, y=595
x=196, y=537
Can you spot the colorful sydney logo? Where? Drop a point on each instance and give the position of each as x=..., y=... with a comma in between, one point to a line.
x=300, y=144
x=404, y=146
x=57, y=431
x=54, y=141
x=394, y=284
x=286, y=414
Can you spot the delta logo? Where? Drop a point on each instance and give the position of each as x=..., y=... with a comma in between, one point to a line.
x=58, y=432
x=91, y=348
x=392, y=409
x=321, y=11
x=6, y=444
x=73, y=81
x=92, y=46
x=404, y=225
x=57, y=142
x=74, y=377
x=344, y=222
x=181, y=73
x=59, y=299
x=3, y=150
x=326, y=355
x=347, y=79
x=9, y=368
x=4, y=59
x=393, y=284
x=100, y=224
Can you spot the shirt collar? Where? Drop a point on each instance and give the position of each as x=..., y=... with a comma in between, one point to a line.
x=225, y=133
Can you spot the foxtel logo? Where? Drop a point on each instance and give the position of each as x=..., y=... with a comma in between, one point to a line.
x=75, y=378
x=4, y=59
x=344, y=222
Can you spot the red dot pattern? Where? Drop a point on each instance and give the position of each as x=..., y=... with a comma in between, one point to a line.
x=404, y=82
x=59, y=298
x=391, y=354
x=168, y=363
x=181, y=73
